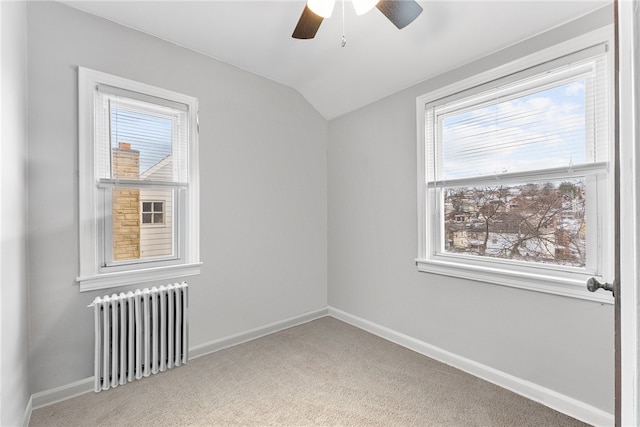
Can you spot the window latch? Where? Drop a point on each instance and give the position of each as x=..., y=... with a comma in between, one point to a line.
x=593, y=285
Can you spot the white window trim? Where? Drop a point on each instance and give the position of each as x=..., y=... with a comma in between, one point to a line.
x=90, y=275
x=538, y=278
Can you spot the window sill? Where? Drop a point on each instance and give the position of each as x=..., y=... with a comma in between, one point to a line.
x=539, y=282
x=134, y=277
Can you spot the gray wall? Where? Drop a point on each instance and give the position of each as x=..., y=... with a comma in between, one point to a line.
x=14, y=385
x=556, y=342
x=263, y=189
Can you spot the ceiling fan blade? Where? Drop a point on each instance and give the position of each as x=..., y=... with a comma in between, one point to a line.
x=308, y=25
x=400, y=12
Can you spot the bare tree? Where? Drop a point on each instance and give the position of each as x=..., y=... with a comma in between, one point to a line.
x=490, y=202
x=542, y=222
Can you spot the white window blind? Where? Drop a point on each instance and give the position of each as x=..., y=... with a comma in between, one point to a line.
x=548, y=122
x=157, y=133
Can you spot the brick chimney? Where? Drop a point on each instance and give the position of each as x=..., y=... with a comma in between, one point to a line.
x=125, y=164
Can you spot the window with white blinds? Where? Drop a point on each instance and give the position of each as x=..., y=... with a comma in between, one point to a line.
x=137, y=143
x=556, y=119
x=159, y=134
x=517, y=175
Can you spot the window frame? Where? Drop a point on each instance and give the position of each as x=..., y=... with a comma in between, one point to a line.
x=93, y=274
x=559, y=280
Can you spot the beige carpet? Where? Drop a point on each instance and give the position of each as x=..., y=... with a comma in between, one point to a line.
x=323, y=373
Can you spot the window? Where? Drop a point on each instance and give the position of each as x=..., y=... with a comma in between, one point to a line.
x=153, y=213
x=138, y=151
x=515, y=182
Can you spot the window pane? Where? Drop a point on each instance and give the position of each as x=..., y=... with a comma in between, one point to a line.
x=141, y=145
x=157, y=207
x=126, y=223
x=540, y=222
x=539, y=130
x=138, y=234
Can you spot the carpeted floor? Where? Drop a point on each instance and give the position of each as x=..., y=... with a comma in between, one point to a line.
x=322, y=373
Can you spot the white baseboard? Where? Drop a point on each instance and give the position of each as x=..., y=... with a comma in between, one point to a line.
x=535, y=392
x=213, y=346
x=26, y=417
x=58, y=394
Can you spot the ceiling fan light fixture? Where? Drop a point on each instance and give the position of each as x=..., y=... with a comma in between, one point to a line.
x=322, y=8
x=364, y=6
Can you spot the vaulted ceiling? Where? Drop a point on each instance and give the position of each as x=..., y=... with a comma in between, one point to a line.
x=378, y=59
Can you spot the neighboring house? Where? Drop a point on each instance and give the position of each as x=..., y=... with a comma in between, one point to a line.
x=142, y=218
x=156, y=205
x=503, y=239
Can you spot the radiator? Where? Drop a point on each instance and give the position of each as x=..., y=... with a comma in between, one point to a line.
x=140, y=333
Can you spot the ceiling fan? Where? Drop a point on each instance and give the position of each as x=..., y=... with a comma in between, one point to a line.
x=400, y=12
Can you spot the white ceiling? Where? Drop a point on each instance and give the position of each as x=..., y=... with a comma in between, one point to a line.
x=378, y=59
